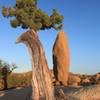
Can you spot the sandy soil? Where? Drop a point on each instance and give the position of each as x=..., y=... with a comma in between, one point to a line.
x=70, y=93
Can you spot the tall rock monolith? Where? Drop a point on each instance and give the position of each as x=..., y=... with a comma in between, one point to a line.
x=61, y=58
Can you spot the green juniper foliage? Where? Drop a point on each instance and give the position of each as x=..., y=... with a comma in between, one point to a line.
x=27, y=15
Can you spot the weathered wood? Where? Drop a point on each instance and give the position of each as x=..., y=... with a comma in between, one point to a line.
x=41, y=81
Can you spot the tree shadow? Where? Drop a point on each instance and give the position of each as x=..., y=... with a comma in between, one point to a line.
x=16, y=94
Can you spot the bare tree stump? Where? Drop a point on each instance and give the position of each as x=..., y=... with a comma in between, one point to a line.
x=42, y=88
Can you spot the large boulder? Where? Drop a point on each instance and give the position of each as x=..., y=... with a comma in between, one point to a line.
x=61, y=58
x=74, y=80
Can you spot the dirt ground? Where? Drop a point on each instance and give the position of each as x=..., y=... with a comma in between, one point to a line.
x=67, y=93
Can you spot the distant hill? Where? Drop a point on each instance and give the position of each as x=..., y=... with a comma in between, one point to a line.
x=24, y=79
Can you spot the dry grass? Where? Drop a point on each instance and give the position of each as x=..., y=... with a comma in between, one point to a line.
x=17, y=80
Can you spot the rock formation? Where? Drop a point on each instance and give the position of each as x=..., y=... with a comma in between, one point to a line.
x=79, y=93
x=61, y=58
x=74, y=80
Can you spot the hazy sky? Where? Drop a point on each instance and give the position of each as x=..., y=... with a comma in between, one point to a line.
x=81, y=23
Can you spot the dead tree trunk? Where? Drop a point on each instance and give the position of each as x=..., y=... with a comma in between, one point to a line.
x=42, y=88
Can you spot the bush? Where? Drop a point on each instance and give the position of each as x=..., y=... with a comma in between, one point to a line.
x=17, y=80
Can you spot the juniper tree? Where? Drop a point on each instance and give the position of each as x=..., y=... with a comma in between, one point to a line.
x=27, y=14
x=5, y=70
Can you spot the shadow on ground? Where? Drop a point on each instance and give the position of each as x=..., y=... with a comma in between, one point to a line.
x=16, y=94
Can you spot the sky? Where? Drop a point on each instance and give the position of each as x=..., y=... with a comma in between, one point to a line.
x=82, y=27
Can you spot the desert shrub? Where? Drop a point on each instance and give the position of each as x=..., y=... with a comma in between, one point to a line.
x=1, y=84
x=5, y=70
x=19, y=80
x=97, y=78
